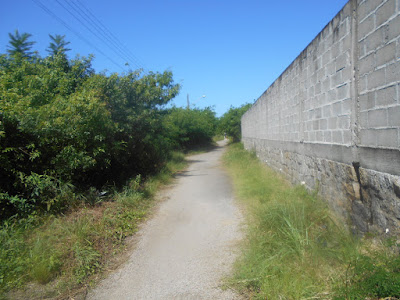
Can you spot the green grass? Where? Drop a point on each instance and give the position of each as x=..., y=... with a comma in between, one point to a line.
x=295, y=249
x=57, y=254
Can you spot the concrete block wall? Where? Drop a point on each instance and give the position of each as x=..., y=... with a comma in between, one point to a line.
x=379, y=73
x=332, y=119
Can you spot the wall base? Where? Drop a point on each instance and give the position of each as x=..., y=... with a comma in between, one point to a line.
x=368, y=200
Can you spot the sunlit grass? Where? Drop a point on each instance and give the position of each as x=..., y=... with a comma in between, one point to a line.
x=294, y=249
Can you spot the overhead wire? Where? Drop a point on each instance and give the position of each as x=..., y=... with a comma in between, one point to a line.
x=104, y=30
x=82, y=22
x=61, y=21
x=101, y=36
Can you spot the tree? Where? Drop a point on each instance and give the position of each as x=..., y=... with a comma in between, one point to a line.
x=57, y=45
x=188, y=128
x=19, y=44
x=230, y=122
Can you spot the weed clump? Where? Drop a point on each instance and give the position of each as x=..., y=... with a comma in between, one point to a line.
x=373, y=274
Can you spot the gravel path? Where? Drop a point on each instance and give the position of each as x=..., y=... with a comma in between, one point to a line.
x=190, y=243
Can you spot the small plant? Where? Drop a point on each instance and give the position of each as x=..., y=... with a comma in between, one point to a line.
x=373, y=275
x=87, y=261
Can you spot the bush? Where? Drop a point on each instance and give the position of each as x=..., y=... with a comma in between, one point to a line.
x=188, y=128
x=230, y=122
x=63, y=125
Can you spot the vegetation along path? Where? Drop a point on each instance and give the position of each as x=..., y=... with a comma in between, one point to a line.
x=188, y=246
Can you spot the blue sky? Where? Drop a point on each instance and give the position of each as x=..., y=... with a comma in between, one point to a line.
x=230, y=51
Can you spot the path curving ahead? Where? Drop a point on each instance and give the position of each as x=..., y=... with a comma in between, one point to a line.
x=189, y=244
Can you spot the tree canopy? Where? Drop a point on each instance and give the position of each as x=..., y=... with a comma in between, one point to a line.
x=57, y=45
x=230, y=122
x=19, y=44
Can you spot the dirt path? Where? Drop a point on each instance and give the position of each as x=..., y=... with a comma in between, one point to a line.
x=188, y=246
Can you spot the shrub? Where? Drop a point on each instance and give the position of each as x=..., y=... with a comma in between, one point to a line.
x=187, y=128
x=230, y=122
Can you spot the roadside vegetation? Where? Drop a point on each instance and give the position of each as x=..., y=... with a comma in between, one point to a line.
x=81, y=155
x=230, y=122
x=296, y=249
x=57, y=256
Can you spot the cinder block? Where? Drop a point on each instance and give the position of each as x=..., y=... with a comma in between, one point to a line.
x=319, y=136
x=377, y=118
x=364, y=9
x=347, y=74
x=393, y=73
x=323, y=124
x=337, y=108
x=337, y=137
x=332, y=123
x=394, y=116
x=386, y=54
x=331, y=96
x=344, y=122
x=366, y=26
x=326, y=111
x=335, y=50
x=386, y=96
x=312, y=136
x=318, y=113
x=376, y=79
x=367, y=101
x=366, y=64
x=344, y=28
x=315, y=125
x=347, y=106
x=364, y=120
x=341, y=61
x=368, y=7
x=347, y=137
x=318, y=88
x=336, y=80
x=326, y=84
x=362, y=48
x=330, y=68
x=368, y=137
x=327, y=136
x=346, y=43
x=393, y=28
x=362, y=84
x=309, y=125
x=384, y=12
x=326, y=57
x=343, y=92
x=387, y=138
x=374, y=40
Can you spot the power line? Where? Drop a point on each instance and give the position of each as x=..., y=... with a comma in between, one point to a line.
x=100, y=27
x=105, y=39
x=101, y=38
x=61, y=21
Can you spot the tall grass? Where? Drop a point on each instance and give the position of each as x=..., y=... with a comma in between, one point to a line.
x=57, y=254
x=294, y=249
